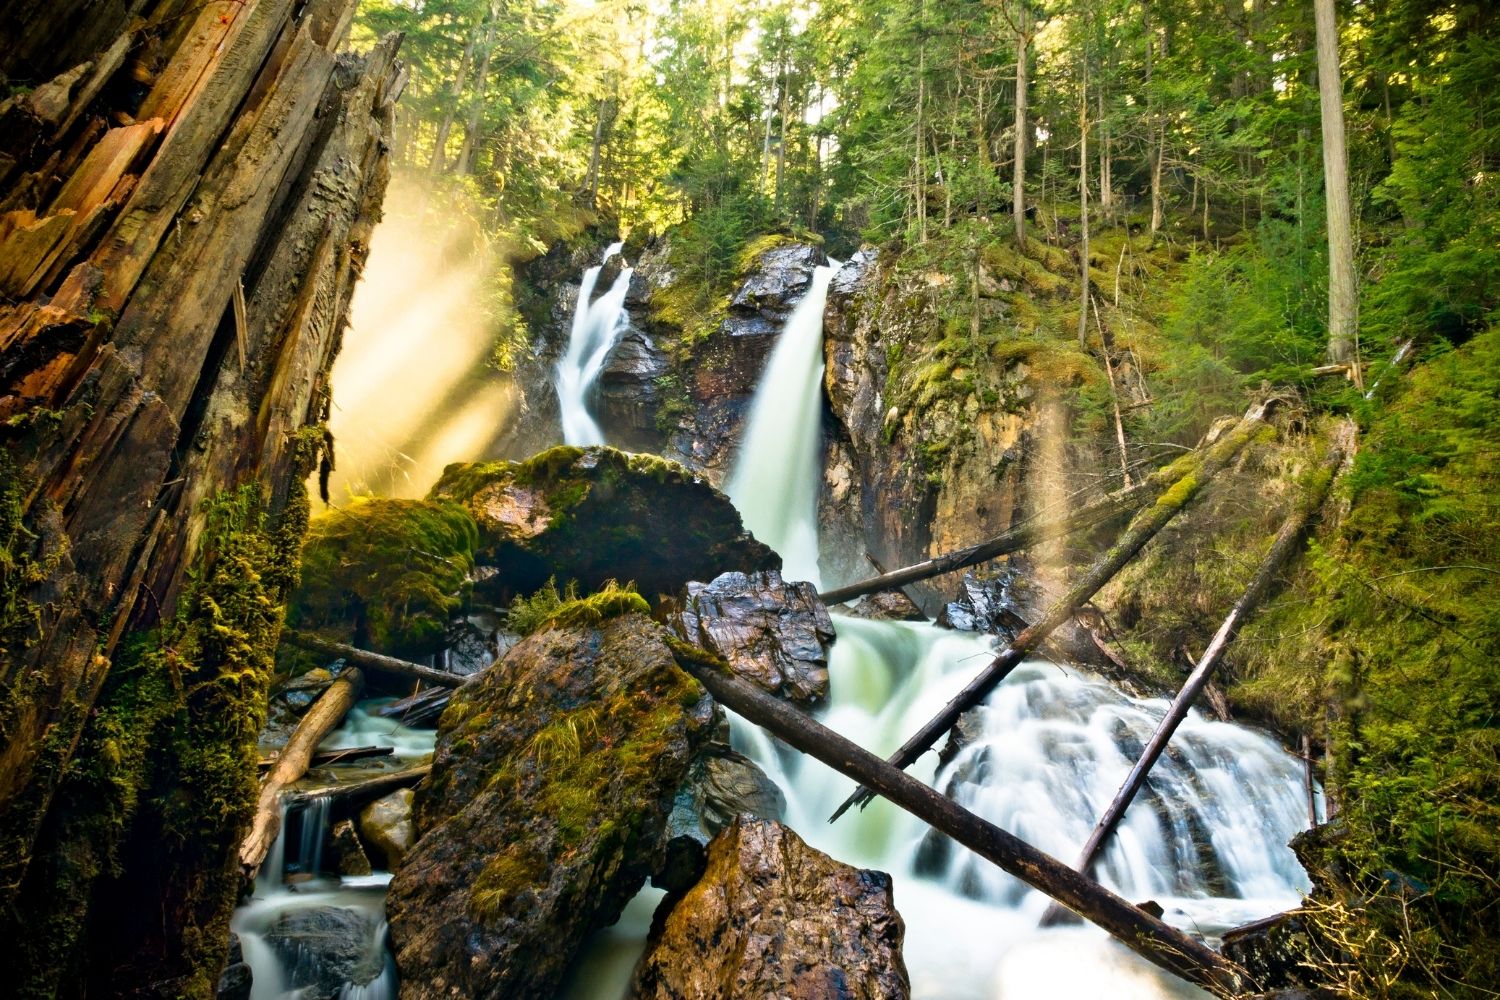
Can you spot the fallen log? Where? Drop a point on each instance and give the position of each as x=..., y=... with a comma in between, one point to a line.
x=325, y=757
x=1143, y=933
x=1192, y=471
x=371, y=661
x=321, y=719
x=357, y=792
x=418, y=709
x=1288, y=540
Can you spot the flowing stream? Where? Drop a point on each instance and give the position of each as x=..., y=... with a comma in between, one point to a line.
x=597, y=324
x=1206, y=838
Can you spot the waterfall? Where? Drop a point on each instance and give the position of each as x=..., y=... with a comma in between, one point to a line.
x=597, y=324
x=776, y=473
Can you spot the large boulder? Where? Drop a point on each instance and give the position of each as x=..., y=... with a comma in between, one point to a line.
x=721, y=785
x=386, y=575
x=773, y=633
x=551, y=784
x=771, y=917
x=596, y=514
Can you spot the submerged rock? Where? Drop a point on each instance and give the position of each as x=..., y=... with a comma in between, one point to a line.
x=771, y=917
x=773, y=633
x=596, y=514
x=551, y=784
x=721, y=785
x=386, y=826
x=323, y=947
x=236, y=979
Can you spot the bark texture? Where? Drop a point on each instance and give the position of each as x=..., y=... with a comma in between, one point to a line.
x=1343, y=295
x=185, y=205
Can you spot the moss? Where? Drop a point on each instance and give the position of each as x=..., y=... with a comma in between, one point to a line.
x=387, y=575
x=548, y=609
x=28, y=557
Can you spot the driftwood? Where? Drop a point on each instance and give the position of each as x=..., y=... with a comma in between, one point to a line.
x=321, y=719
x=1288, y=540
x=354, y=793
x=1140, y=931
x=325, y=757
x=1193, y=472
x=371, y=661
x=418, y=709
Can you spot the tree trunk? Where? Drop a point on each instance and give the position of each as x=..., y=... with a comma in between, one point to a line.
x=371, y=661
x=455, y=95
x=1343, y=295
x=1146, y=935
x=1288, y=540
x=1196, y=473
x=469, y=153
x=354, y=793
x=321, y=719
x=1083, y=216
x=158, y=481
x=1018, y=167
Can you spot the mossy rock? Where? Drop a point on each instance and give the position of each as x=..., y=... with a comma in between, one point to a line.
x=387, y=575
x=598, y=514
x=552, y=781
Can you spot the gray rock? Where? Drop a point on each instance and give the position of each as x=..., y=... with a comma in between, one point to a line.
x=386, y=826
x=983, y=605
x=771, y=917
x=236, y=979
x=778, y=281
x=721, y=785
x=889, y=606
x=773, y=633
x=323, y=947
x=348, y=854
x=1275, y=951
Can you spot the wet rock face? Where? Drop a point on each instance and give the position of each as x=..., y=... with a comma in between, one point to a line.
x=552, y=780
x=595, y=514
x=984, y=605
x=771, y=917
x=1275, y=951
x=773, y=633
x=721, y=785
x=889, y=606
x=322, y=948
x=629, y=392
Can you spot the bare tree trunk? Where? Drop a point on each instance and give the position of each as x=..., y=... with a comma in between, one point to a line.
x=1343, y=295
x=1287, y=541
x=455, y=94
x=1083, y=215
x=1145, y=934
x=1140, y=531
x=1018, y=167
x=321, y=719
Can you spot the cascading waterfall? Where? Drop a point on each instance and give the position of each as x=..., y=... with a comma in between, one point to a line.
x=597, y=324
x=776, y=472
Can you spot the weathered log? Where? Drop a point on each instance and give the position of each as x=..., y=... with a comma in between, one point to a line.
x=1288, y=540
x=1146, y=935
x=321, y=719
x=325, y=757
x=354, y=793
x=373, y=661
x=1192, y=471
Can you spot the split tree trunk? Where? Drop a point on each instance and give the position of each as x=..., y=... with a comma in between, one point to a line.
x=1288, y=540
x=1141, y=530
x=321, y=719
x=372, y=661
x=252, y=169
x=1144, y=934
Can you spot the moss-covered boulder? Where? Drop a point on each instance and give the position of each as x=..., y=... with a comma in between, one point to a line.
x=386, y=575
x=551, y=784
x=598, y=514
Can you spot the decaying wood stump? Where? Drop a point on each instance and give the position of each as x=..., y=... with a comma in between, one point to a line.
x=186, y=198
